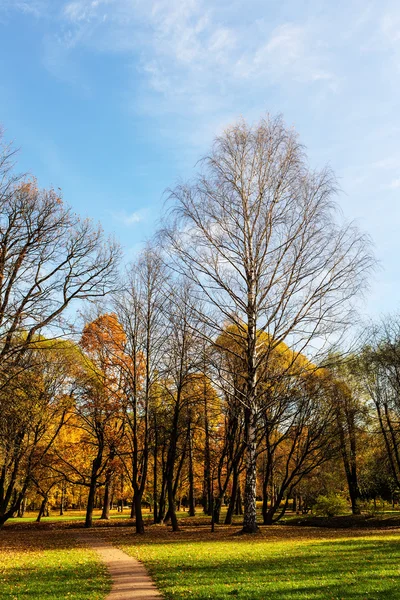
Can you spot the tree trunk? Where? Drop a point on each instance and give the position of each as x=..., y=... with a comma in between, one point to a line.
x=139, y=523
x=161, y=511
x=92, y=489
x=192, y=509
x=41, y=510
x=207, y=461
x=232, y=501
x=106, y=499
x=250, y=490
x=171, y=506
x=217, y=504
x=238, y=504
x=62, y=499
x=155, y=475
x=90, y=504
x=22, y=508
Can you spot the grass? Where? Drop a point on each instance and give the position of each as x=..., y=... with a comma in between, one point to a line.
x=283, y=565
x=73, y=515
x=282, y=562
x=79, y=515
x=49, y=568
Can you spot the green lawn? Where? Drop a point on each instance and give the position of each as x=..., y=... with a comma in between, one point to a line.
x=49, y=569
x=282, y=562
x=68, y=516
x=79, y=515
x=257, y=569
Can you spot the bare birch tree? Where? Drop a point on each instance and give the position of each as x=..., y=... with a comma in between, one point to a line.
x=257, y=234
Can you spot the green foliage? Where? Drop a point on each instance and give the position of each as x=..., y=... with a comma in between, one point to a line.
x=330, y=506
x=371, y=508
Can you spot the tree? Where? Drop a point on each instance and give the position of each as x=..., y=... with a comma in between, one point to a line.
x=35, y=406
x=139, y=308
x=351, y=416
x=180, y=363
x=49, y=259
x=378, y=370
x=256, y=234
x=99, y=402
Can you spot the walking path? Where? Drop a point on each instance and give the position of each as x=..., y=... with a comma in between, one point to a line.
x=130, y=578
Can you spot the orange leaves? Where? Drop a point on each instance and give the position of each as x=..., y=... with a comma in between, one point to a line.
x=106, y=331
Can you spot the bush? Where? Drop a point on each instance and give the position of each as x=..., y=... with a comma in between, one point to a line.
x=330, y=506
x=371, y=508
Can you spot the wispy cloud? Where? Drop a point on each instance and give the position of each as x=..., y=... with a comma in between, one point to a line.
x=32, y=7
x=395, y=184
x=291, y=51
x=128, y=219
x=195, y=56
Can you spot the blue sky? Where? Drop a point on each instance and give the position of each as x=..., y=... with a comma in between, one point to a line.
x=115, y=100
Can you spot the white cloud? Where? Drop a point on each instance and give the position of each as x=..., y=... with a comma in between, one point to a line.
x=33, y=7
x=292, y=51
x=192, y=54
x=390, y=162
x=128, y=219
x=390, y=26
x=395, y=184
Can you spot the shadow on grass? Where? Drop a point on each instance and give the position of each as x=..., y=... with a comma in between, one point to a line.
x=346, y=521
x=319, y=571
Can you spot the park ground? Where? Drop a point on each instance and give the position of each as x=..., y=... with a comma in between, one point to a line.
x=291, y=560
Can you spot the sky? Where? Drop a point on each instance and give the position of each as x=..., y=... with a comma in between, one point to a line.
x=114, y=101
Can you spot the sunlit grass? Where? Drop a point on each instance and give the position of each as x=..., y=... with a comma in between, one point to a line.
x=75, y=515
x=256, y=569
x=35, y=573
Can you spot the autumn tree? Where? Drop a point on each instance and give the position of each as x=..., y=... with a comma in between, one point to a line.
x=35, y=407
x=139, y=308
x=49, y=260
x=180, y=362
x=100, y=397
x=352, y=417
x=378, y=371
x=257, y=235
x=95, y=428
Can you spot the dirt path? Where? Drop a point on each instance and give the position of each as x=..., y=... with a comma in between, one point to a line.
x=130, y=578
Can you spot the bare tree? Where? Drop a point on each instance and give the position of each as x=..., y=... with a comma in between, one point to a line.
x=256, y=233
x=49, y=258
x=378, y=370
x=180, y=364
x=139, y=309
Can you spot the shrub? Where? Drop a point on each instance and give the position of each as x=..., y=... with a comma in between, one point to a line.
x=330, y=506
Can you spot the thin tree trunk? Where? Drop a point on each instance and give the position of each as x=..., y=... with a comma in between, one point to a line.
x=192, y=509
x=171, y=506
x=139, y=523
x=238, y=505
x=41, y=510
x=232, y=501
x=207, y=460
x=62, y=499
x=106, y=500
x=93, y=488
x=155, y=475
